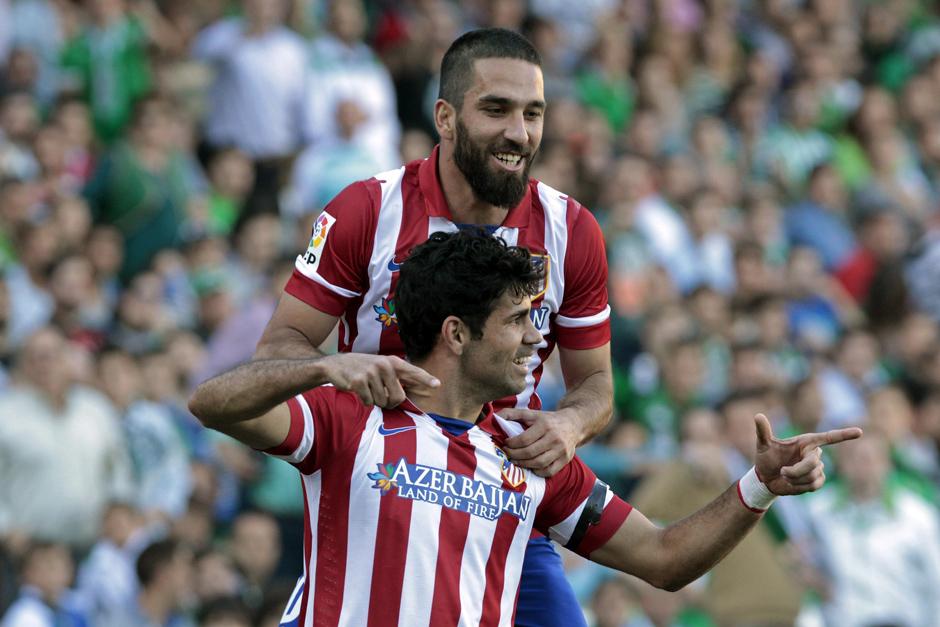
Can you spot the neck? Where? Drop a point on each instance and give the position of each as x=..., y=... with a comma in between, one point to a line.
x=155, y=605
x=465, y=207
x=449, y=399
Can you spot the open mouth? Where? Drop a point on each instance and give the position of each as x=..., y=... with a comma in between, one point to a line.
x=522, y=361
x=509, y=160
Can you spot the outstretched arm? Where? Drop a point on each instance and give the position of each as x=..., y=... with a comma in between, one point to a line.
x=674, y=556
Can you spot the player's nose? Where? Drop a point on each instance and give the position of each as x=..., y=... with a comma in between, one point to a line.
x=516, y=130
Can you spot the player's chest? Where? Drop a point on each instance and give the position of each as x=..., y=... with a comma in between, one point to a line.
x=422, y=464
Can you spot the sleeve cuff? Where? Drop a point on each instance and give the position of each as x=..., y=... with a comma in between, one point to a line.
x=597, y=536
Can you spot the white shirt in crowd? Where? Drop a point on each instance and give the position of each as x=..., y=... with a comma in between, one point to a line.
x=256, y=99
x=60, y=468
x=883, y=559
x=341, y=72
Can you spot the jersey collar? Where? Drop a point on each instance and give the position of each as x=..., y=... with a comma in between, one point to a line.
x=436, y=205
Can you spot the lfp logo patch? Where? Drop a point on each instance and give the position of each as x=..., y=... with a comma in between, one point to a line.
x=321, y=229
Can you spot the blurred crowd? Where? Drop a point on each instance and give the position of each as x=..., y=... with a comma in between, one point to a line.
x=767, y=176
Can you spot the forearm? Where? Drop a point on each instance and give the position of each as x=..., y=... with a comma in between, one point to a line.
x=672, y=557
x=590, y=404
x=253, y=388
x=696, y=543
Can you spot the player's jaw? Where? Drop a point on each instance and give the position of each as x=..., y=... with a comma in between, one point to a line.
x=498, y=171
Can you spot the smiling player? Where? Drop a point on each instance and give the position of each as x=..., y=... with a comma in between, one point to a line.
x=415, y=515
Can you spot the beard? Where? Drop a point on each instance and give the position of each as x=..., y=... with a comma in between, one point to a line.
x=495, y=187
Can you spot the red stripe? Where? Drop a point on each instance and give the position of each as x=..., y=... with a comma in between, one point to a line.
x=413, y=231
x=294, y=434
x=445, y=606
x=496, y=568
x=332, y=538
x=308, y=567
x=391, y=543
x=597, y=536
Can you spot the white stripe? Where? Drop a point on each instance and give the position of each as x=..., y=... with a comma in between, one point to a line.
x=423, y=533
x=440, y=225
x=363, y=525
x=555, y=207
x=315, y=276
x=369, y=330
x=586, y=321
x=312, y=488
x=306, y=440
x=513, y=572
x=509, y=234
x=480, y=533
x=292, y=611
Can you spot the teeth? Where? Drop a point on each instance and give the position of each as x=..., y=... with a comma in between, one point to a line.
x=508, y=158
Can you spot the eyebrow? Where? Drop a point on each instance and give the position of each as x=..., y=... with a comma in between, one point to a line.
x=504, y=101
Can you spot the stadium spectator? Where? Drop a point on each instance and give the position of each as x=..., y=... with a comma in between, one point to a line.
x=873, y=536
x=45, y=599
x=257, y=96
x=61, y=447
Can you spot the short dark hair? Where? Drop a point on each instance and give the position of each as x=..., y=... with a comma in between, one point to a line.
x=154, y=559
x=484, y=43
x=458, y=274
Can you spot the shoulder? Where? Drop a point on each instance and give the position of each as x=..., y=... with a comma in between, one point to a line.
x=560, y=207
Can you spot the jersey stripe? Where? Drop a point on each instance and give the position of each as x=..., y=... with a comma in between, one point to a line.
x=503, y=531
x=394, y=514
x=386, y=235
x=311, y=487
x=362, y=527
x=586, y=321
x=422, y=556
x=332, y=534
x=445, y=609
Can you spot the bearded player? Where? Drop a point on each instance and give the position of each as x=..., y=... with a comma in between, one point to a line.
x=489, y=116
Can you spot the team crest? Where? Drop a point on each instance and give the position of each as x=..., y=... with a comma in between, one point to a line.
x=543, y=262
x=386, y=312
x=512, y=474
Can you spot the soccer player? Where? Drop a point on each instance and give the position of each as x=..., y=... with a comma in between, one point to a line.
x=415, y=514
x=489, y=116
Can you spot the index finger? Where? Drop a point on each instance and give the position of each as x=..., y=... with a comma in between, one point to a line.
x=830, y=437
x=412, y=375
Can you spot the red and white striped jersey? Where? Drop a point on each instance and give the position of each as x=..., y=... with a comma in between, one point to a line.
x=350, y=267
x=409, y=524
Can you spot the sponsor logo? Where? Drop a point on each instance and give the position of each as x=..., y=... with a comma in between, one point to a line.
x=395, y=431
x=539, y=316
x=321, y=229
x=386, y=312
x=512, y=474
x=447, y=489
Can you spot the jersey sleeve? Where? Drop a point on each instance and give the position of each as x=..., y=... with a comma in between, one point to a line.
x=334, y=268
x=323, y=422
x=583, y=319
x=579, y=511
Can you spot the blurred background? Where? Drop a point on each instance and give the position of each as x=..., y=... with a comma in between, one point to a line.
x=767, y=176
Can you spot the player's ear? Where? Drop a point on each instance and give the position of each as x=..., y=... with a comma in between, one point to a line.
x=445, y=119
x=455, y=334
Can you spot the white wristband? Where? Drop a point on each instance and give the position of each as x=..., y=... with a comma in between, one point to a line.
x=753, y=493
